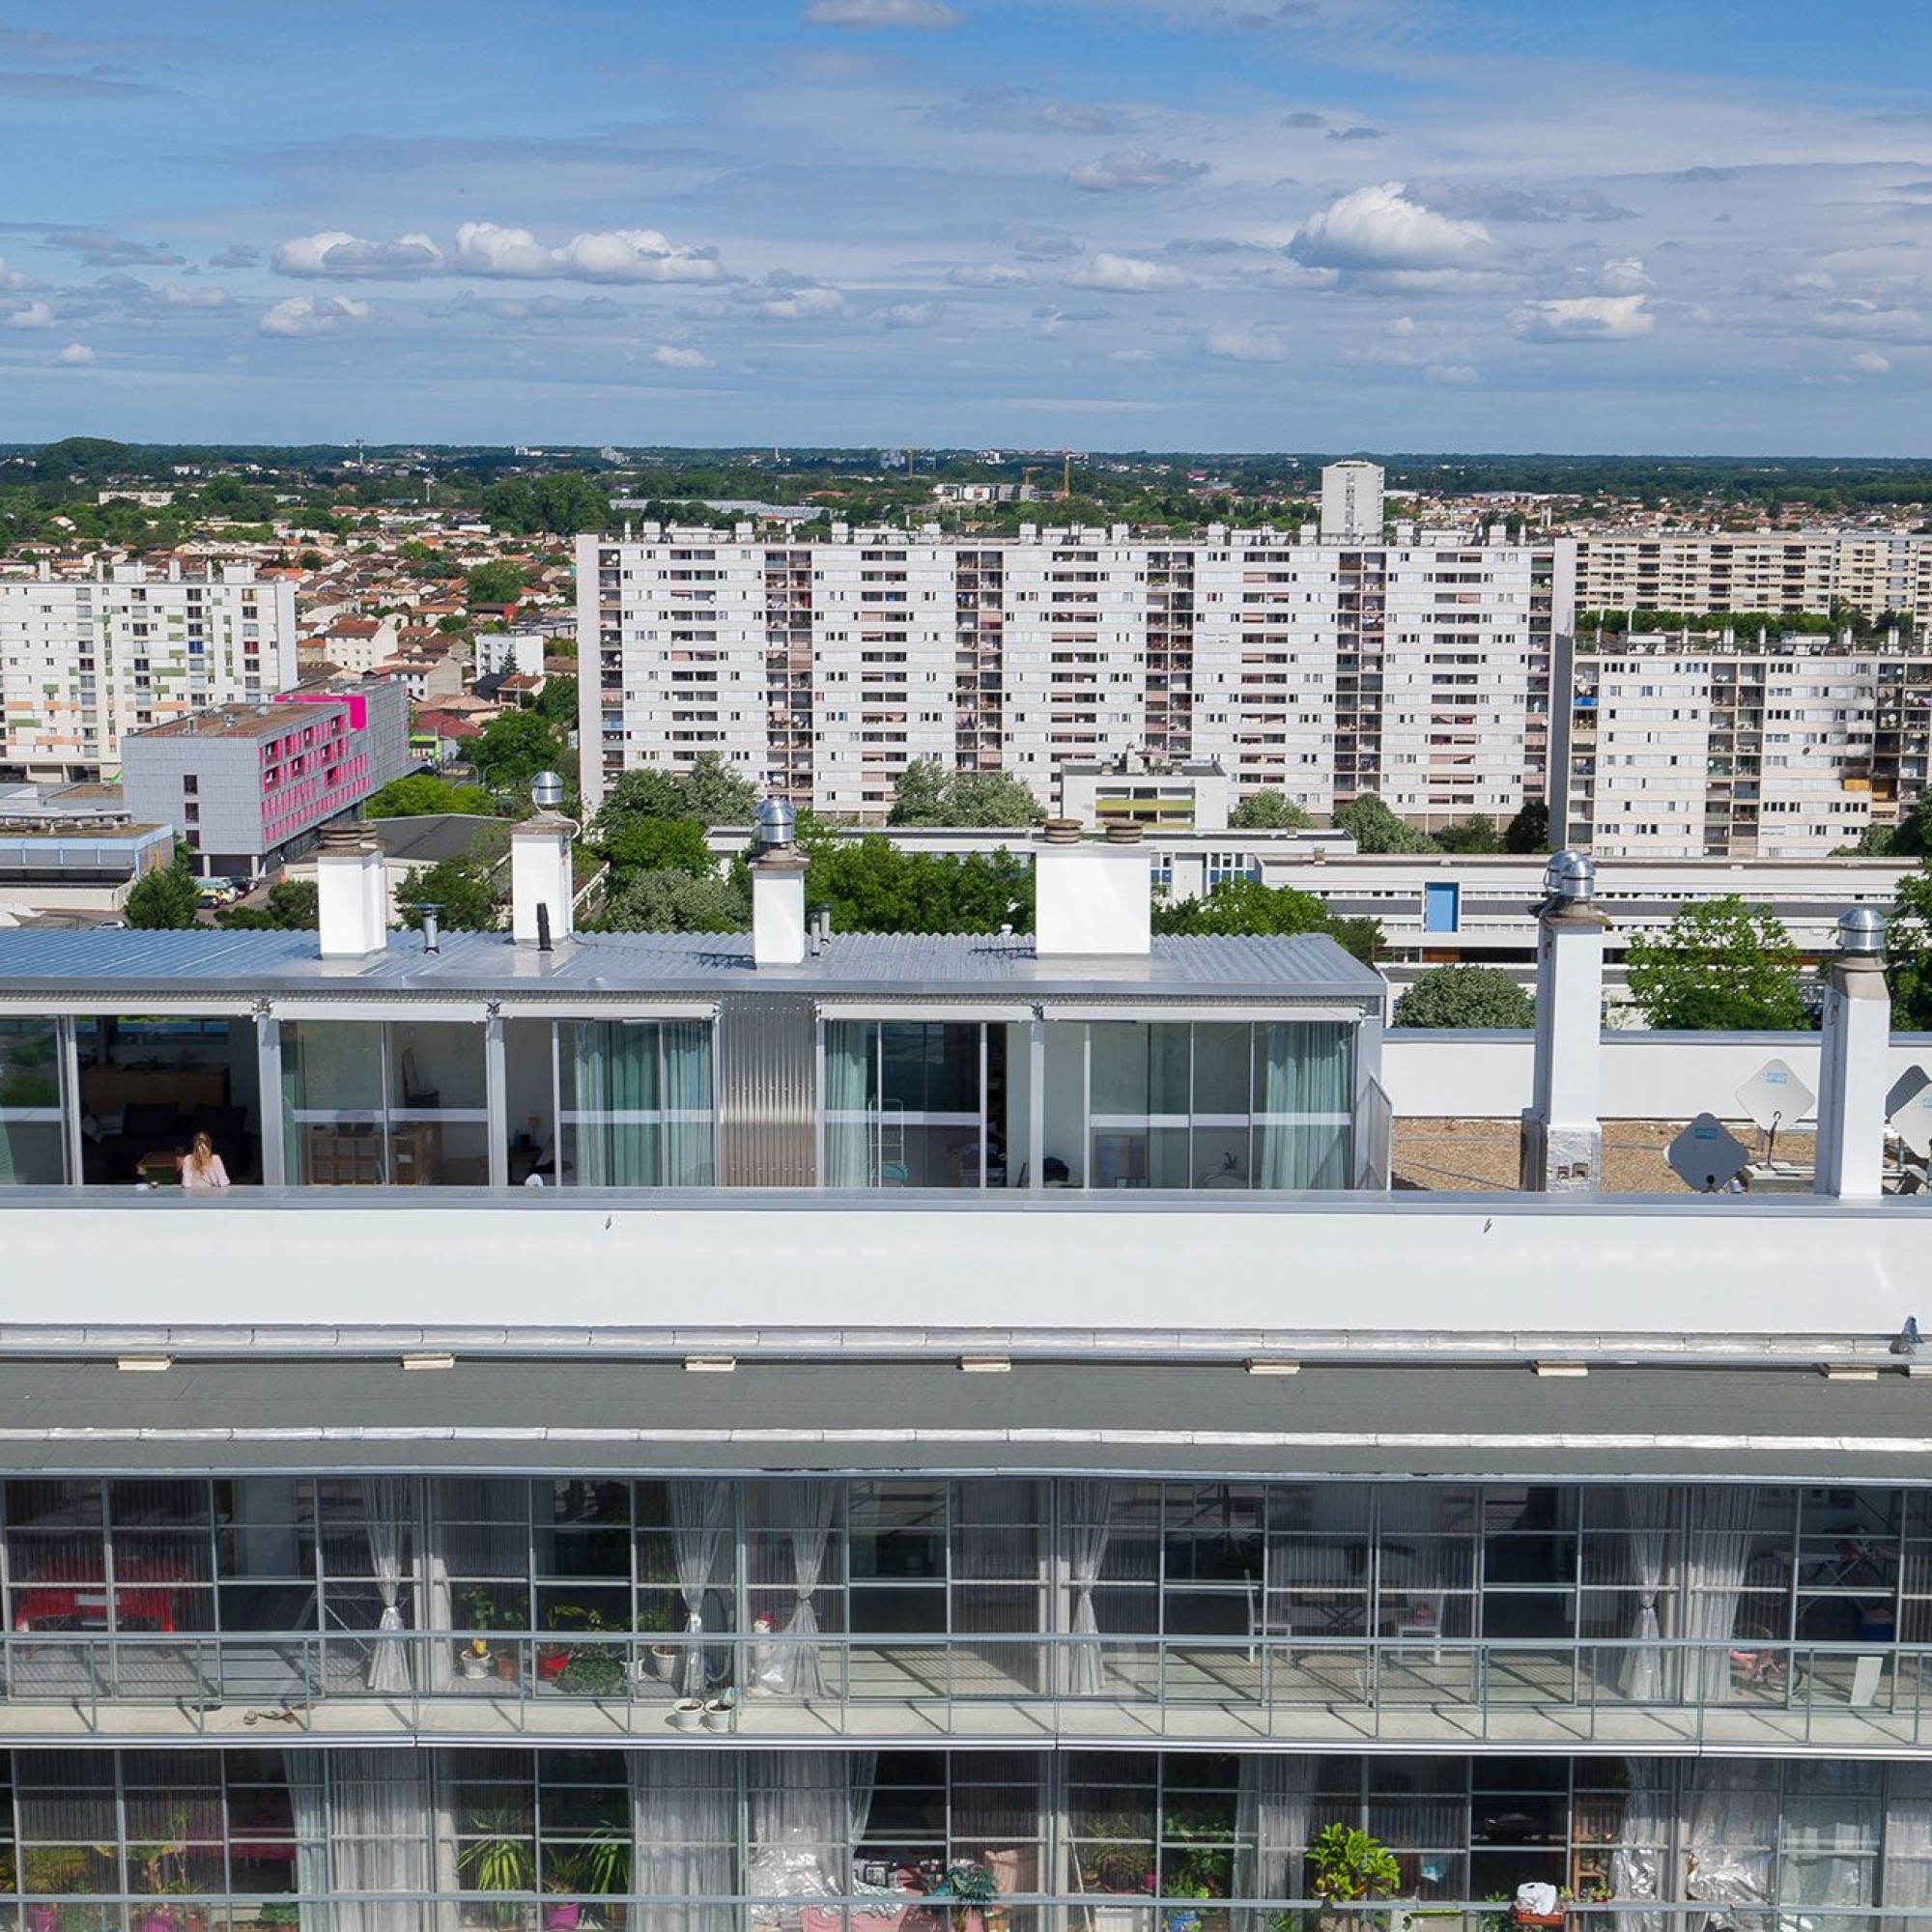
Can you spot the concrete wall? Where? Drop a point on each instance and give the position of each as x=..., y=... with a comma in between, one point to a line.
x=1646, y=1076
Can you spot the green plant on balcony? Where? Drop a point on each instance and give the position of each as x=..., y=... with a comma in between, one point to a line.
x=54, y=1870
x=498, y=1857
x=1347, y=1865
x=591, y=1669
x=1118, y=1856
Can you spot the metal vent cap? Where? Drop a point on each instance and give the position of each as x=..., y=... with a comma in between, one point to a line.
x=777, y=822
x=1862, y=931
x=1570, y=878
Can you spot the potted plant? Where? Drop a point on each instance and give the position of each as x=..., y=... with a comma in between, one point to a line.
x=968, y=1891
x=474, y=1658
x=564, y=1872
x=607, y=1865
x=1195, y=1871
x=1347, y=1865
x=1118, y=1860
x=498, y=1858
x=163, y=1873
x=60, y=1870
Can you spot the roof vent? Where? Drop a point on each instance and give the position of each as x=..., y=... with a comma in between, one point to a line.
x=547, y=791
x=1570, y=879
x=777, y=823
x=1862, y=931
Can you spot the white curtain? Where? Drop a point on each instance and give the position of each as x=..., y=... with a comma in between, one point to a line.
x=1636, y=1867
x=1730, y=1840
x=481, y=1538
x=1908, y=1843
x=385, y=1506
x=1646, y=1508
x=697, y=1513
x=807, y=1809
x=1710, y=1564
x=848, y=1113
x=1271, y=1831
x=1303, y=1133
x=684, y=1812
x=811, y=1508
x=377, y=1817
x=1089, y=1507
x=307, y=1775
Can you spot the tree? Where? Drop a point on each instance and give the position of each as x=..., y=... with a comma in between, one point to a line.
x=514, y=747
x=1242, y=906
x=1268, y=811
x=1375, y=828
x=1719, y=966
x=557, y=702
x=460, y=889
x=1529, y=830
x=1909, y=950
x=710, y=793
x=870, y=885
x=1911, y=837
x=659, y=845
x=167, y=898
x=290, y=907
x=422, y=795
x=498, y=581
x=668, y=901
x=928, y=794
x=560, y=505
x=1464, y=996
x=1473, y=836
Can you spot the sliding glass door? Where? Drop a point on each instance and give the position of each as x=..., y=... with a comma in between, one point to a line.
x=908, y=1103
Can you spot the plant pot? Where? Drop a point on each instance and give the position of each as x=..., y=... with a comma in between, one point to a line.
x=664, y=1662
x=472, y=1666
x=562, y=1918
x=718, y=1714
x=43, y=1918
x=687, y=1715
x=505, y=1661
x=153, y=1922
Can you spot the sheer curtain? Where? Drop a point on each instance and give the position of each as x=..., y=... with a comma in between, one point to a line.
x=684, y=1821
x=697, y=1513
x=386, y=1510
x=1646, y=1509
x=807, y=1809
x=308, y=1776
x=377, y=1812
x=848, y=1119
x=688, y=1140
x=481, y=1538
x=614, y=1127
x=813, y=1508
x=1271, y=1831
x=1302, y=1130
x=1908, y=1843
x=1088, y=1509
x=1712, y=1558
x=1730, y=1838
x=1637, y=1859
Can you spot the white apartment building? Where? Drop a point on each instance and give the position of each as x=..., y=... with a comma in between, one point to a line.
x=1420, y=670
x=1681, y=750
x=1879, y=573
x=86, y=660
x=1351, y=503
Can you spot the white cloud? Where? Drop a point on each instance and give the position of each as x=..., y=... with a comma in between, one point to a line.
x=790, y=298
x=1130, y=356
x=1625, y=276
x=1238, y=343
x=631, y=255
x=926, y=13
x=1130, y=168
x=1870, y=361
x=313, y=315
x=1451, y=372
x=36, y=315
x=1584, y=319
x=1127, y=276
x=668, y=355
x=911, y=314
x=1403, y=324
x=1378, y=228
x=172, y=295
x=12, y=278
x=334, y=255
x=75, y=355
x=988, y=275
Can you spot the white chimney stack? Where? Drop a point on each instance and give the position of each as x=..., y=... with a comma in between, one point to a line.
x=778, y=889
x=1091, y=898
x=1854, y=1054
x=1562, y=1137
x=541, y=878
x=351, y=900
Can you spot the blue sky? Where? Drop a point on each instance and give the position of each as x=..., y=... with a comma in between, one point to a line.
x=1235, y=224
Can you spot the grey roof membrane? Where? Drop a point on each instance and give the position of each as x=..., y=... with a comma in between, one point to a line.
x=868, y=1415
x=212, y=961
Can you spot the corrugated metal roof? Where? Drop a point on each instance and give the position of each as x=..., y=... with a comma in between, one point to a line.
x=213, y=961
x=857, y=1414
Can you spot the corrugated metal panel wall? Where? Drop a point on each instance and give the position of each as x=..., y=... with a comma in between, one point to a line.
x=767, y=1099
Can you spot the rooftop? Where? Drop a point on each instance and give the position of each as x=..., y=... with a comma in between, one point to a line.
x=233, y=720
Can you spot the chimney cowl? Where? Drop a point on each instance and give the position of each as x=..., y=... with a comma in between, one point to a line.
x=547, y=791
x=777, y=823
x=1569, y=879
x=1862, y=932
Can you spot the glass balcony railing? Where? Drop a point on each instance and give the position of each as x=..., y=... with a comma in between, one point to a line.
x=1415, y=1687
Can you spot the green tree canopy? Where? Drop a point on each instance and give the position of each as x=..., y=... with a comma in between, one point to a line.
x=871, y=886
x=1909, y=950
x=1474, y=835
x=659, y=845
x=291, y=906
x=557, y=702
x=1718, y=966
x=498, y=581
x=1464, y=996
x=462, y=890
x=560, y=505
x=710, y=793
x=165, y=899
x=678, y=901
x=1268, y=811
x=515, y=746
x=1529, y=830
x=1242, y=906
x=421, y=795
x=1375, y=828
x=928, y=794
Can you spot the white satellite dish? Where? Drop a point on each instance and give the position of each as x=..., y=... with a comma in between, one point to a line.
x=1909, y=1109
x=1707, y=1156
x=1774, y=1097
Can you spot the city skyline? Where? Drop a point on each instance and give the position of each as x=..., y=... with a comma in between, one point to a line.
x=963, y=222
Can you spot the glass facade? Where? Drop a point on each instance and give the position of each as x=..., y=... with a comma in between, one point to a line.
x=914, y=1103
x=33, y=1137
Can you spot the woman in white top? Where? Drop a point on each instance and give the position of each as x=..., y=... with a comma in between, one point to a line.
x=201, y=1168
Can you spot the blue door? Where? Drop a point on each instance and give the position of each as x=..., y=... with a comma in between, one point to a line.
x=1438, y=907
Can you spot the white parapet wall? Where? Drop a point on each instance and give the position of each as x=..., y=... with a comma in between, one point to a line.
x=1646, y=1076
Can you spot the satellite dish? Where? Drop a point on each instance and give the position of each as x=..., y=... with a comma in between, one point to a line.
x=1909, y=1109
x=1707, y=1156
x=1774, y=1096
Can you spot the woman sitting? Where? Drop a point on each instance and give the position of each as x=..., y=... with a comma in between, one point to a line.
x=201, y=1168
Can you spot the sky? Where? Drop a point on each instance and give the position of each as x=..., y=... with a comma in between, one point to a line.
x=1695, y=227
